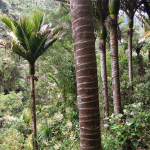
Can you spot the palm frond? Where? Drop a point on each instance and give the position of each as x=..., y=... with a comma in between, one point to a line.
x=40, y=47
x=27, y=26
x=121, y=20
x=8, y=44
x=130, y=7
x=48, y=39
x=23, y=29
x=7, y=21
x=101, y=10
x=31, y=38
x=46, y=46
x=18, y=49
x=145, y=21
x=19, y=34
x=147, y=34
x=38, y=19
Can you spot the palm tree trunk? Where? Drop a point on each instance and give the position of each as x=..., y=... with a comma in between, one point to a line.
x=141, y=68
x=2, y=80
x=149, y=58
x=33, y=110
x=104, y=78
x=86, y=73
x=115, y=66
x=2, y=86
x=130, y=57
x=102, y=47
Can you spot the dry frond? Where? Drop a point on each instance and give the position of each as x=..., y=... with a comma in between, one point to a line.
x=129, y=31
x=119, y=36
x=109, y=22
x=101, y=45
x=30, y=76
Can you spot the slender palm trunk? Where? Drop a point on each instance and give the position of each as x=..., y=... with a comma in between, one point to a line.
x=33, y=113
x=130, y=57
x=104, y=78
x=141, y=68
x=2, y=80
x=86, y=74
x=115, y=66
x=149, y=58
x=102, y=46
x=2, y=86
x=33, y=110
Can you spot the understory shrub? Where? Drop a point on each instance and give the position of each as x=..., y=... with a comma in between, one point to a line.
x=11, y=139
x=132, y=133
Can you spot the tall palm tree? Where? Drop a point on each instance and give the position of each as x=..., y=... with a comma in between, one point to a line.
x=101, y=12
x=29, y=38
x=86, y=73
x=130, y=7
x=114, y=6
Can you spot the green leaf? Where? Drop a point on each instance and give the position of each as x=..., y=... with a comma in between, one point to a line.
x=147, y=137
x=118, y=133
x=119, y=116
x=128, y=123
x=135, y=143
x=113, y=115
x=106, y=125
x=7, y=21
x=106, y=118
x=115, y=127
x=53, y=78
x=137, y=124
x=138, y=105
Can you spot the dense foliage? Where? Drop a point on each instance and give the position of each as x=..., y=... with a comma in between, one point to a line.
x=56, y=102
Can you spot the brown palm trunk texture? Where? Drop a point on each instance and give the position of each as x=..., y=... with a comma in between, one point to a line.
x=130, y=56
x=115, y=66
x=33, y=110
x=86, y=73
x=104, y=78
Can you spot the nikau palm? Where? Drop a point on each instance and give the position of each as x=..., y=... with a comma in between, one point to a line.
x=114, y=6
x=86, y=73
x=101, y=13
x=130, y=7
x=29, y=38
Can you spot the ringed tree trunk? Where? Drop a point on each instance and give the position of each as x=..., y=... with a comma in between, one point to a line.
x=130, y=51
x=102, y=48
x=113, y=9
x=33, y=110
x=86, y=74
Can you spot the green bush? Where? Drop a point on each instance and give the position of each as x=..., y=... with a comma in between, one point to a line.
x=11, y=139
x=14, y=123
x=132, y=133
x=10, y=103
